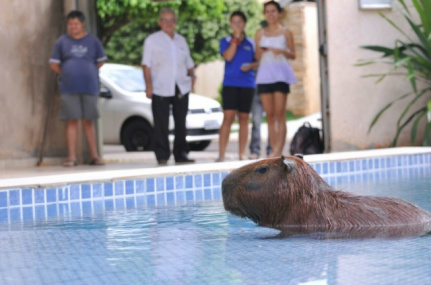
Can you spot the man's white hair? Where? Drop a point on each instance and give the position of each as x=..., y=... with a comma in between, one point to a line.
x=168, y=10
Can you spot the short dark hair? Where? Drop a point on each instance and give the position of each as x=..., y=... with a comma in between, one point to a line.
x=239, y=14
x=75, y=14
x=276, y=4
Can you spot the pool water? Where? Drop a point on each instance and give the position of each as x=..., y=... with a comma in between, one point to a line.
x=200, y=243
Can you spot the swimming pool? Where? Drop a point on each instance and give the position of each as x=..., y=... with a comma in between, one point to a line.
x=150, y=237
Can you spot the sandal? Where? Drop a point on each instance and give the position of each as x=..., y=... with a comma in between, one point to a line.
x=97, y=162
x=70, y=163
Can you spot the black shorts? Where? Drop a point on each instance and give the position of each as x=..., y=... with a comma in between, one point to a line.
x=273, y=87
x=237, y=98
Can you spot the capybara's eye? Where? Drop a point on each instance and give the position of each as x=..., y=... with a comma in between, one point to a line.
x=262, y=169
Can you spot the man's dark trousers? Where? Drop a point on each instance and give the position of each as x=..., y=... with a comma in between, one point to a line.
x=160, y=107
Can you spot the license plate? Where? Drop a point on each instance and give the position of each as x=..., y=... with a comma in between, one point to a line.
x=211, y=125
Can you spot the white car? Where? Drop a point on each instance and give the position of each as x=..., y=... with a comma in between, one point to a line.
x=127, y=118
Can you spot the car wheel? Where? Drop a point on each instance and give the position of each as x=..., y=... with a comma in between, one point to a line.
x=198, y=145
x=137, y=136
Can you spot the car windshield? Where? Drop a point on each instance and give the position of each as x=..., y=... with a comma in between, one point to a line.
x=131, y=80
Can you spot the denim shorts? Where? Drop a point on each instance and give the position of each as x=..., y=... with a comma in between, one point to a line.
x=78, y=106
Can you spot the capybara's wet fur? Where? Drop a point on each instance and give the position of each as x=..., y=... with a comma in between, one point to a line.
x=287, y=194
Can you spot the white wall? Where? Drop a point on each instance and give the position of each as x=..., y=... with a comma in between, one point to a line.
x=354, y=100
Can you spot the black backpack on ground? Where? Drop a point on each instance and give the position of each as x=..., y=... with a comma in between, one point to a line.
x=307, y=140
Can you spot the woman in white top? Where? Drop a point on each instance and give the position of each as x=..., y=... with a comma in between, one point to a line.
x=274, y=47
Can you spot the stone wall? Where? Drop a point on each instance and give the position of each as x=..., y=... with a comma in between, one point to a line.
x=301, y=19
x=28, y=30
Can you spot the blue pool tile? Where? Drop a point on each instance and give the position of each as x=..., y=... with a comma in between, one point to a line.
x=383, y=163
x=189, y=181
x=97, y=190
x=151, y=200
x=108, y=189
x=150, y=184
x=376, y=163
x=189, y=196
x=109, y=204
x=86, y=207
x=160, y=184
x=15, y=214
x=338, y=166
x=51, y=195
x=140, y=186
x=180, y=196
x=207, y=180
x=63, y=193
x=27, y=213
x=3, y=199
x=217, y=193
x=63, y=209
x=75, y=209
x=130, y=187
x=421, y=159
x=130, y=202
x=198, y=180
x=358, y=165
x=52, y=210
x=74, y=192
x=140, y=201
x=27, y=196
x=170, y=183
x=120, y=203
x=351, y=166
x=198, y=195
x=86, y=191
x=170, y=197
x=98, y=206
x=39, y=212
x=39, y=196
x=216, y=179
x=332, y=167
x=223, y=175
x=179, y=182
x=325, y=168
x=14, y=198
x=4, y=215
x=161, y=199
x=207, y=194
x=318, y=168
x=119, y=188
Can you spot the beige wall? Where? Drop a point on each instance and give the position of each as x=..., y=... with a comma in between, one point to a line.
x=28, y=30
x=354, y=100
x=209, y=78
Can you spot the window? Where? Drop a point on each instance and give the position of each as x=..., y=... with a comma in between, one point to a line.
x=375, y=4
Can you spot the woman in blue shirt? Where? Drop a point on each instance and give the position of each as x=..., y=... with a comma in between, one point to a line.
x=238, y=82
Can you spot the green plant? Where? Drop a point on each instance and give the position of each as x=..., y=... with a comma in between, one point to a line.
x=413, y=56
x=124, y=25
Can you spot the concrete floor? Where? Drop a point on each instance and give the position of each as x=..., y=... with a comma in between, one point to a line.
x=117, y=158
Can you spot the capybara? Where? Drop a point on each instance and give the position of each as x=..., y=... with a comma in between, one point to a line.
x=287, y=194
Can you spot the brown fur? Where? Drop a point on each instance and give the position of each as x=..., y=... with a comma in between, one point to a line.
x=293, y=198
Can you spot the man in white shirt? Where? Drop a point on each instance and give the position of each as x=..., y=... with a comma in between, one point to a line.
x=169, y=76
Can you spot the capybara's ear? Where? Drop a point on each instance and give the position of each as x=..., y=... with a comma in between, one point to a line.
x=288, y=164
x=299, y=155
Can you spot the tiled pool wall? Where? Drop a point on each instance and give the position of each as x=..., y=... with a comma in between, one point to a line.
x=89, y=198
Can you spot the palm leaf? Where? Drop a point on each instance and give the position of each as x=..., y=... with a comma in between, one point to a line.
x=415, y=125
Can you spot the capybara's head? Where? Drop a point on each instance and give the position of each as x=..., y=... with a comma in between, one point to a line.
x=269, y=190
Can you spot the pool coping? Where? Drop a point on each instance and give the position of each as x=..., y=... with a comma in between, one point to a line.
x=49, y=180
